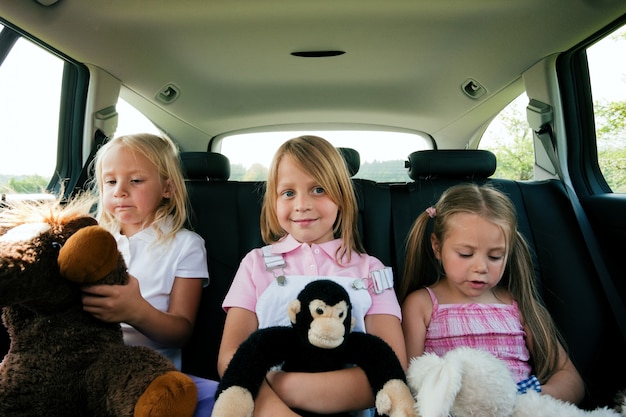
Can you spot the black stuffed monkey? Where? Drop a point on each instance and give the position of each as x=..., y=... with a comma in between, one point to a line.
x=320, y=339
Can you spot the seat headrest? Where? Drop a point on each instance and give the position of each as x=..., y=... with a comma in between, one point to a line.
x=352, y=158
x=451, y=163
x=208, y=166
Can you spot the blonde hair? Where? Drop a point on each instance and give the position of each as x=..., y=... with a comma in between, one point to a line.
x=163, y=153
x=518, y=278
x=320, y=159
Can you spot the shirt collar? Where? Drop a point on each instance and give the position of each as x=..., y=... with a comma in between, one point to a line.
x=149, y=234
x=289, y=243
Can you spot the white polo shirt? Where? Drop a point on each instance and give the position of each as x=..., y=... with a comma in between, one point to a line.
x=156, y=265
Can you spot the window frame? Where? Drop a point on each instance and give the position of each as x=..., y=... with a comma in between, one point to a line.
x=572, y=69
x=73, y=102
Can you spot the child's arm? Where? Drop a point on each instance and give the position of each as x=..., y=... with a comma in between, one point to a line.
x=124, y=303
x=566, y=384
x=239, y=324
x=416, y=312
x=339, y=391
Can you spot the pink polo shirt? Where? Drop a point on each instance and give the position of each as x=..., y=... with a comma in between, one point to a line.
x=252, y=277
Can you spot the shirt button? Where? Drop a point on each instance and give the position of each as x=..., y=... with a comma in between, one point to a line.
x=317, y=251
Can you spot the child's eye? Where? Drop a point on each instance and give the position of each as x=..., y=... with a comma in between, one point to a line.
x=496, y=258
x=136, y=181
x=465, y=255
x=318, y=190
x=109, y=182
x=287, y=193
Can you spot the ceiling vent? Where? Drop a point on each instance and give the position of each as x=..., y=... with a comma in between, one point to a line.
x=317, y=54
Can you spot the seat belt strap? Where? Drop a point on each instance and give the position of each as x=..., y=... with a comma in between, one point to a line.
x=99, y=139
x=544, y=134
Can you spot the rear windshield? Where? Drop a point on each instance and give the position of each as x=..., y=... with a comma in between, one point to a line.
x=382, y=153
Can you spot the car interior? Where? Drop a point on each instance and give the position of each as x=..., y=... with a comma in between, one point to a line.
x=203, y=72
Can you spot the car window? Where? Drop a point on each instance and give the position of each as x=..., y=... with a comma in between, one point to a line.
x=130, y=120
x=510, y=138
x=250, y=154
x=31, y=80
x=607, y=71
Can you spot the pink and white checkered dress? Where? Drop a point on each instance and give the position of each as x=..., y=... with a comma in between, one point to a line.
x=495, y=328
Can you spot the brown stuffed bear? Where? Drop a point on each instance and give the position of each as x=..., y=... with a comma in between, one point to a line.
x=62, y=361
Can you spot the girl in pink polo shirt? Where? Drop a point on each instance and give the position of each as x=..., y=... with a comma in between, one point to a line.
x=309, y=222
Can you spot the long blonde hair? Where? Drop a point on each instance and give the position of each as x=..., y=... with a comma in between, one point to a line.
x=518, y=278
x=163, y=153
x=320, y=159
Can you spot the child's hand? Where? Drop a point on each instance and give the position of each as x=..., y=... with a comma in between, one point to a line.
x=113, y=303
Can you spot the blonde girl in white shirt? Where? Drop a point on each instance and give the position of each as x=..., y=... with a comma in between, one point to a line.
x=143, y=203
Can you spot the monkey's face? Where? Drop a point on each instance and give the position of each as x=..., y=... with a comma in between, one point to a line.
x=329, y=324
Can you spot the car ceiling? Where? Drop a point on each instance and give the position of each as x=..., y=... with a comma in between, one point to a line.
x=404, y=63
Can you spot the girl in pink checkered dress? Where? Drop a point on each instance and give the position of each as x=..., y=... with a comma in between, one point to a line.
x=483, y=293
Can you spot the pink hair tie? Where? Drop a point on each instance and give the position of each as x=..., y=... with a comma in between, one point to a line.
x=432, y=212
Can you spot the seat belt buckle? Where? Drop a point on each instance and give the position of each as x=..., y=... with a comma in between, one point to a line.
x=382, y=279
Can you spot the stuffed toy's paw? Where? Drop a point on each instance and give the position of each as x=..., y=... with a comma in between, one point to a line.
x=395, y=400
x=533, y=404
x=172, y=394
x=234, y=401
x=89, y=255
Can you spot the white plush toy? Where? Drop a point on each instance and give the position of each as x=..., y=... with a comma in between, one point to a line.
x=469, y=382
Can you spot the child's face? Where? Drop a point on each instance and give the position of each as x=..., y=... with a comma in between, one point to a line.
x=132, y=188
x=303, y=208
x=472, y=253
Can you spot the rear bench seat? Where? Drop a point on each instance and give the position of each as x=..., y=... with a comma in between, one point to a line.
x=226, y=213
x=374, y=203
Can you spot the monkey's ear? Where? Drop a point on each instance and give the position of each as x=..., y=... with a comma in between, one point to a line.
x=352, y=324
x=293, y=309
